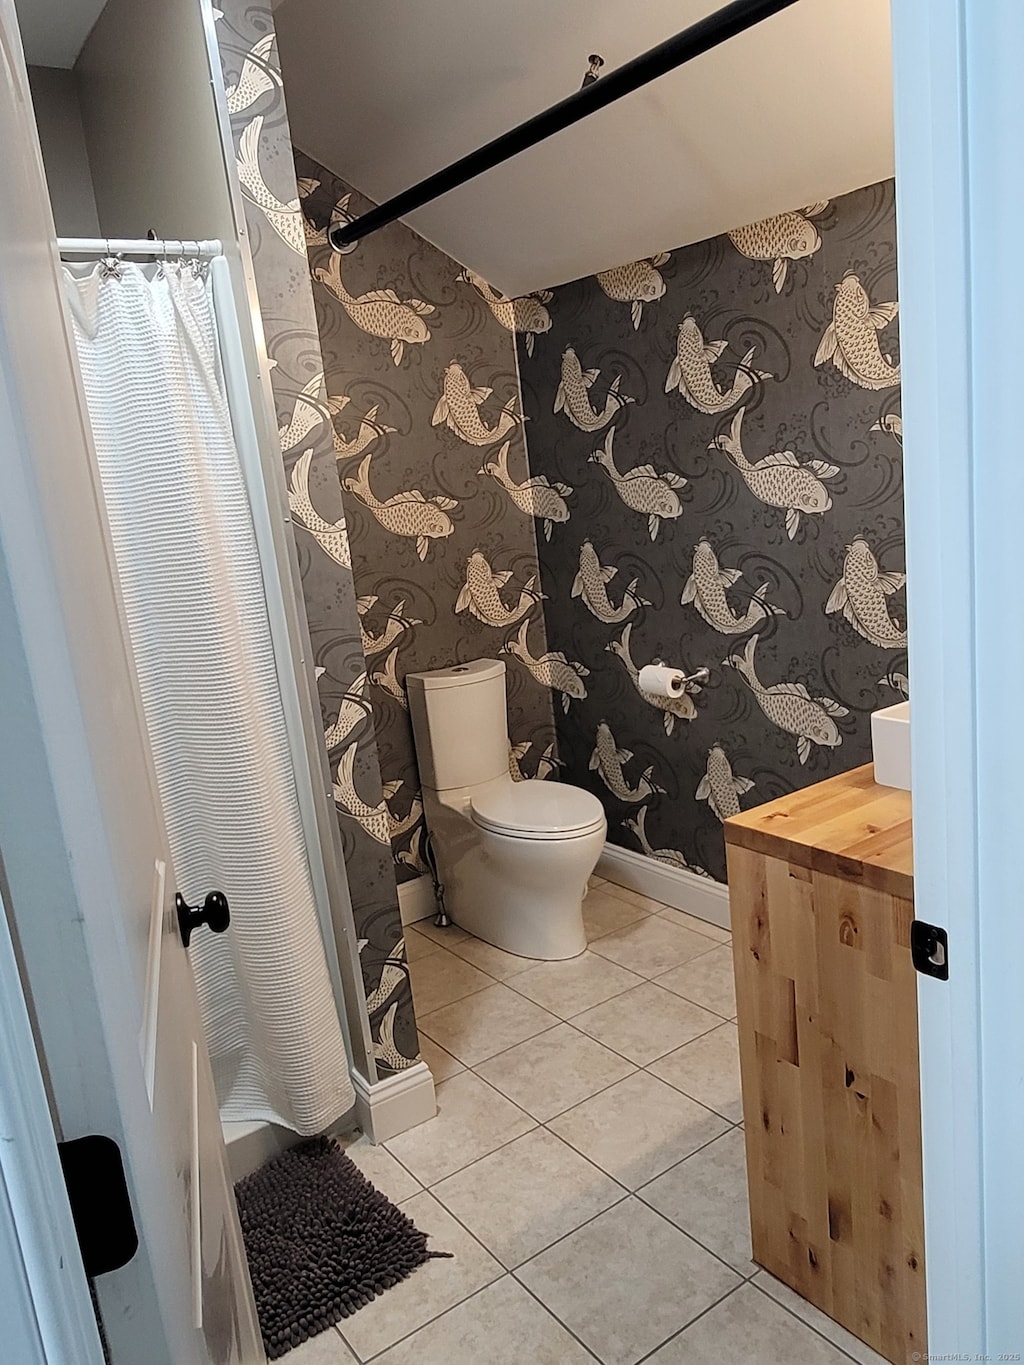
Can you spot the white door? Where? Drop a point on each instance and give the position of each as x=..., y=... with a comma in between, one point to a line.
x=83, y=849
x=960, y=195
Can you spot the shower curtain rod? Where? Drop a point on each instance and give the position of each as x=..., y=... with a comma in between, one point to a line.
x=699, y=38
x=190, y=249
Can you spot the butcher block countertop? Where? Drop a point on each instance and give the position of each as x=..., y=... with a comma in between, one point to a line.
x=847, y=826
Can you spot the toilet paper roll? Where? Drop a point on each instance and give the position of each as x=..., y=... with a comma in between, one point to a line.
x=661, y=681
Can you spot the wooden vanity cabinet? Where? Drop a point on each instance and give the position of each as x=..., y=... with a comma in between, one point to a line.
x=821, y=893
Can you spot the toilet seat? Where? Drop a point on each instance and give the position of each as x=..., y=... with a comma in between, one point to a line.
x=537, y=810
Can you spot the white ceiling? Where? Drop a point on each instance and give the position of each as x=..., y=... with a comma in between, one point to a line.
x=383, y=92
x=53, y=31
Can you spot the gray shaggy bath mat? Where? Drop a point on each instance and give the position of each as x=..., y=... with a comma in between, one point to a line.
x=320, y=1241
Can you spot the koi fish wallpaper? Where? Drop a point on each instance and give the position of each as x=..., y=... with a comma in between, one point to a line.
x=693, y=459
x=725, y=420
x=443, y=515
x=307, y=408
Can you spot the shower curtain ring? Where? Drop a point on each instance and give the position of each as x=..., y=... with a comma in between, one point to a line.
x=110, y=265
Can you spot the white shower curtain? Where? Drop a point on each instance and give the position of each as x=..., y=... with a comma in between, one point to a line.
x=191, y=579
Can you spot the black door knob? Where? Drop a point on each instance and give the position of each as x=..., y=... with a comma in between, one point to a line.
x=214, y=913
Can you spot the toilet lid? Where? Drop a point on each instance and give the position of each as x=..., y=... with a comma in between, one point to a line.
x=538, y=810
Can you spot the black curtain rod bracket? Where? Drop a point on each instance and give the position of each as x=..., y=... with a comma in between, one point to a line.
x=699, y=38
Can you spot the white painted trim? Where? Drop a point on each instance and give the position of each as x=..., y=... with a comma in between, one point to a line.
x=698, y=896
x=396, y=1103
x=46, y=1312
x=382, y=1111
x=672, y=886
x=416, y=900
x=956, y=111
x=68, y=722
x=250, y=1142
x=993, y=37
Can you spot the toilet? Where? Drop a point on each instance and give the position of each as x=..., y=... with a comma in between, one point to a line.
x=514, y=857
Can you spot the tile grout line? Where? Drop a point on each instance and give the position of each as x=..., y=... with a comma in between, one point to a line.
x=545, y=1122
x=675, y=1086
x=506, y=1273
x=803, y=1321
x=429, y=1189
x=606, y=882
x=744, y=1279
x=365, y=1360
x=640, y=1066
x=634, y=1194
x=626, y=1191
x=645, y=980
x=471, y=1066
x=714, y=943
x=733, y=1128
x=615, y=995
x=650, y=981
x=511, y=1272
x=558, y=1138
x=559, y=1019
x=627, y=1194
x=475, y=991
x=695, y=1319
x=644, y=914
x=544, y=1125
x=535, y=1123
x=696, y=956
x=551, y=1313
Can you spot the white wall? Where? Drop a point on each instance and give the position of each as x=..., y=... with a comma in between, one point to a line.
x=59, y=120
x=385, y=93
x=151, y=123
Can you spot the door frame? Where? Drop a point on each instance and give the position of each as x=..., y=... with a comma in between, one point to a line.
x=959, y=104
x=70, y=728
x=958, y=99
x=46, y=1315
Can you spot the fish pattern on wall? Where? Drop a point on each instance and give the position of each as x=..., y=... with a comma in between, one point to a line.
x=307, y=412
x=727, y=416
x=443, y=513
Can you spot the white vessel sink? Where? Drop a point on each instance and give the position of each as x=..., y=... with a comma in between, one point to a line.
x=890, y=745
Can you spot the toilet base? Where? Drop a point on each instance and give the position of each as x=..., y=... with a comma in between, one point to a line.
x=524, y=896
x=526, y=930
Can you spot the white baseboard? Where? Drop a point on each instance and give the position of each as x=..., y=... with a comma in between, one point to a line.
x=250, y=1143
x=382, y=1111
x=416, y=900
x=396, y=1103
x=672, y=886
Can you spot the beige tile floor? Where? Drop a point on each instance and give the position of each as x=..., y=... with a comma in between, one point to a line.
x=586, y=1164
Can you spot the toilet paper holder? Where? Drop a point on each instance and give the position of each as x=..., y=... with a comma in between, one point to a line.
x=699, y=675
x=659, y=679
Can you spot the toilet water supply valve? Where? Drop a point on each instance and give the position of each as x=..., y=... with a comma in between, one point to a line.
x=441, y=919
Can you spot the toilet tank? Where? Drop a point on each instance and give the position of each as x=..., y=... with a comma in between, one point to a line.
x=459, y=723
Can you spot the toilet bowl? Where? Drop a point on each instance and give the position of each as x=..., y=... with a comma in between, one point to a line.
x=514, y=857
